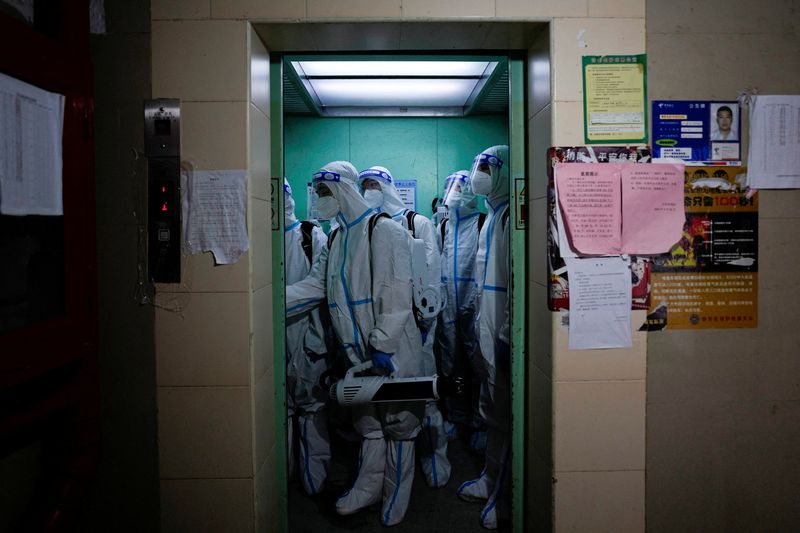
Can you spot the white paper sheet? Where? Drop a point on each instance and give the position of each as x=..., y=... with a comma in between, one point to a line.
x=215, y=214
x=31, y=129
x=599, y=303
x=565, y=250
x=774, y=157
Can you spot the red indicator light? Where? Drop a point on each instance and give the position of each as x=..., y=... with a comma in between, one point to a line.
x=163, y=188
x=164, y=207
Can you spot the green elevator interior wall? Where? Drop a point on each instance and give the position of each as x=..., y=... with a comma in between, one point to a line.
x=424, y=149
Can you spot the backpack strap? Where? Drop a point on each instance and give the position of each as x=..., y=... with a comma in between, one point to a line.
x=442, y=229
x=371, y=224
x=410, y=218
x=306, y=229
x=481, y=220
x=331, y=236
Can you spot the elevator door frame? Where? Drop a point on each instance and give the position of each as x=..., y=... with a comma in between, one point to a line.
x=517, y=287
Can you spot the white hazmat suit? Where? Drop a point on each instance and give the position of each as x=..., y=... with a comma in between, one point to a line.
x=306, y=355
x=456, y=333
x=367, y=281
x=489, y=177
x=432, y=443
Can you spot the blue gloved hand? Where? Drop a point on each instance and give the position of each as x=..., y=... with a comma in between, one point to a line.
x=382, y=360
x=502, y=355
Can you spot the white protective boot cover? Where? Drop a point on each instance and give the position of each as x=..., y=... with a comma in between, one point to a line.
x=367, y=488
x=433, y=448
x=475, y=490
x=496, y=505
x=397, y=481
x=315, y=451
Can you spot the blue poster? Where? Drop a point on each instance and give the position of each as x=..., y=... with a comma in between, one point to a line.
x=697, y=130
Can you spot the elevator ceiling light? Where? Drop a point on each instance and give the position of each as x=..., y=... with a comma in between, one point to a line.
x=392, y=88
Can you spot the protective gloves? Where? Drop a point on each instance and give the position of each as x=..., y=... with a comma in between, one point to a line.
x=382, y=361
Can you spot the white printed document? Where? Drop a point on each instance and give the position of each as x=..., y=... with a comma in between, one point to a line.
x=215, y=214
x=774, y=157
x=31, y=129
x=599, y=303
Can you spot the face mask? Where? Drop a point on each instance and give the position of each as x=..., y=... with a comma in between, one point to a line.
x=373, y=198
x=328, y=207
x=481, y=183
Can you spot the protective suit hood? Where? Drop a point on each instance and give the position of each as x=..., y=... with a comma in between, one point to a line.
x=341, y=178
x=392, y=204
x=496, y=157
x=289, y=217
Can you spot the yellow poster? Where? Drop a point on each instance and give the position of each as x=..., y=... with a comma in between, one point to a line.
x=709, y=280
x=614, y=99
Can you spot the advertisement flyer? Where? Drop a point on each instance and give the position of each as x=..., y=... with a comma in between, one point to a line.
x=558, y=276
x=709, y=280
x=697, y=130
x=615, y=99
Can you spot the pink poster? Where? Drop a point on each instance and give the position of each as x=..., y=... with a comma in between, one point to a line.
x=589, y=198
x=611, y=209
x=652, y=208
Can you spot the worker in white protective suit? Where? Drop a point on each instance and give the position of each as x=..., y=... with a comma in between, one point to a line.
x=455, y=338
x=489, y=177
x=366, y=276
x=306, y=355
x=380, y=193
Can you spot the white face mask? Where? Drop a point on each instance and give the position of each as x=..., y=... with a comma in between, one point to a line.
x=481, y=183
x=373, y=198
x=328, y=207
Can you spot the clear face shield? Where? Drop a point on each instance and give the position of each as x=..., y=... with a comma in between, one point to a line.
x=455, y=188
x=485, y=169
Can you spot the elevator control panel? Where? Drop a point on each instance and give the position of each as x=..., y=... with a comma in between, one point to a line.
x=162, y=145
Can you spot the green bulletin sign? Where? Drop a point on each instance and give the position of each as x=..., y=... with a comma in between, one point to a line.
x=615, y=99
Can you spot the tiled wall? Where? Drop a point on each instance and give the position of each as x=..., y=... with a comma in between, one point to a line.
x=723, y=405
x=200, y=51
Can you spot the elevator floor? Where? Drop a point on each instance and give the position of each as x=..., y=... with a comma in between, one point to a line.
x=430, y=510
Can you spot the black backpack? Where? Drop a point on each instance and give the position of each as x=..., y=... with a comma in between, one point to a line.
x=373, y=219
x=306, y=229
x=481, y=220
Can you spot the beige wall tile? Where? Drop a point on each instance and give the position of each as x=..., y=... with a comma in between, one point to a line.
x=206, y=343
x=214, y=135
x=259, y=72
x=267, y=502
x=448, y=9
x=720, y=20
x=265, y=414
x=567, y=123
x=537, y=247
x=540, y=323
x=617, y=8
x=212, y=505
x=779, y=204
x=595, y=365
x=199, y=273
x=205, y=432
x=258, y=9
x=599, y=425
x=537, y=9
x=601, y=37
x=600, y=501
x=262, y=331
x=260, y=243
x=540, y=138
x=179, y=9
x=539, y=74
x=353, y=9
x=200, y=60
x=260, y=156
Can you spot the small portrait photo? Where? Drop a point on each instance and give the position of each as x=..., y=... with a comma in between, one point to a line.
x=724, y=121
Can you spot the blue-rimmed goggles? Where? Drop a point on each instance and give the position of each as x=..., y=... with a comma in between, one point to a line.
x=456, y=177
x=372, y=173
x=321, y=177
x=286, y=188
x=489, y=159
